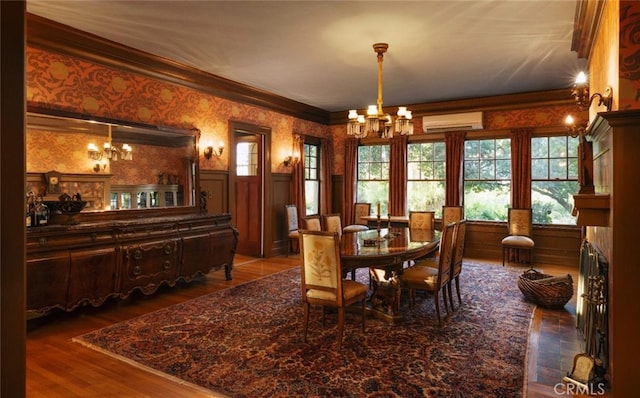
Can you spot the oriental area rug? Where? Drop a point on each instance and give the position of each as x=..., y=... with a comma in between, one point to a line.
x=246, y=341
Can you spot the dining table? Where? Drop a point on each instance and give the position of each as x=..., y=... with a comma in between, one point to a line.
x=384, y=251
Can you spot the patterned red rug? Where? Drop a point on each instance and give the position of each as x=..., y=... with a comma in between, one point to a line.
x=246, y=341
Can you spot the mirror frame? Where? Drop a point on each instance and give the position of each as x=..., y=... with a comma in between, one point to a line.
x=135, y=135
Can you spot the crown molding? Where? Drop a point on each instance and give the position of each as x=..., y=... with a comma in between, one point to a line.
x=585, y=26
x=494, y=103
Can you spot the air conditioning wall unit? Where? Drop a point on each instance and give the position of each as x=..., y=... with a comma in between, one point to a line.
x=452, y=121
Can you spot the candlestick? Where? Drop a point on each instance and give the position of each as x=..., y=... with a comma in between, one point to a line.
x=378, y=209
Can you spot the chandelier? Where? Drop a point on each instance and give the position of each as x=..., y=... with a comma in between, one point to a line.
x=376, y=122
x=109, y=152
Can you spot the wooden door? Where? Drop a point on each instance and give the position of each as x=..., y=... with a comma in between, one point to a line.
x=249, y=196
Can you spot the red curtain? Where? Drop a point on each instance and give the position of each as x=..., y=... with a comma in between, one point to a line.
x=350, y=167
x=521, y=168
x=398, y=176
x=454, y=144
x=297, y=176
x=326, y=165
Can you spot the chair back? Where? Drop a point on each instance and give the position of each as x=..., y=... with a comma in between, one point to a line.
x=361, y=210
x=520, y=222
x=332, y=223
x=422, y=219
x=446, y=254
x=312, y=223
x=292, y=217
x=321, y=274
x=458, y=248
x=452, y=214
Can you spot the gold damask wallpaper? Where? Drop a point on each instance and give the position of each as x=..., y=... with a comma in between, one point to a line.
x=61, y=82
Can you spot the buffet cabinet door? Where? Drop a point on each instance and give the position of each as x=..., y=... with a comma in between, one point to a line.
x=148, y=264
x=93, y=276
x=196, y=255
x=47, y=282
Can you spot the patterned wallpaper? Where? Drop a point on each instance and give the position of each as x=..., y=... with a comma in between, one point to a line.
x=629, y=56
x=61, y=82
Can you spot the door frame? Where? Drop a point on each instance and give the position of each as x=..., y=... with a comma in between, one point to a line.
x=267, y=181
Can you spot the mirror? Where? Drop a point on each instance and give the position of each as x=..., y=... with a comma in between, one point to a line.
x=90, y=158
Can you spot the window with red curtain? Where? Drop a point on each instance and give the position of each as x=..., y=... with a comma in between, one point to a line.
x=487, y=179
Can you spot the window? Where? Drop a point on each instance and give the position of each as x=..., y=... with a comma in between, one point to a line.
x=246, y=159
x=554, y=179
x=426, y=176
x=312, y=178
x=373, y=176
x=487, y=179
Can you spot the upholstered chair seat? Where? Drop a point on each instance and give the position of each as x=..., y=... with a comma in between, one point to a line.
x=355, y=228
x=322, y=281
x=360, y=210
x=523, y=242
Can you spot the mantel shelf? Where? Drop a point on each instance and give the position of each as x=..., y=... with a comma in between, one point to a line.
x=592, y=209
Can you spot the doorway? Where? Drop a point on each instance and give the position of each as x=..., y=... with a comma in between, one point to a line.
x=249, y=179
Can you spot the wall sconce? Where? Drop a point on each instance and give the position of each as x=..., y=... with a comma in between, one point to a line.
x=574, y=131
x=100, y=166
x=209, y=152
x=581, y=93
x=291, y=160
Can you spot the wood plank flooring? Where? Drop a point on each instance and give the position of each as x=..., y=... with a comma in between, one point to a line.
x=56, y=367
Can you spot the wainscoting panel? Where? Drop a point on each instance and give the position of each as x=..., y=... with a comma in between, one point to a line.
x=215, y=185
x=281, y=197
x=554, y=244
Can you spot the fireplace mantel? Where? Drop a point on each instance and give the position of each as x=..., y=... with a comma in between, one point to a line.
x=592, y=209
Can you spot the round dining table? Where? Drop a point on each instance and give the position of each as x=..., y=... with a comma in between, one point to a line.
x=384, y=251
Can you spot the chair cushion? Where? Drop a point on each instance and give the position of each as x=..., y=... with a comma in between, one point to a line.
x=353, y=288
x=355, y=228
x=293, y=235
x=350, y=289
x=421, y=275
x=518, y=241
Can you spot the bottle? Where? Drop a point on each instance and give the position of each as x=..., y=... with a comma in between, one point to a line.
x=30, y=213
x=41, y=213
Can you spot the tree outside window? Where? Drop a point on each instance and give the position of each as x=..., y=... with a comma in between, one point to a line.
x=373, y=176
x=554, y=179
x=426, y=176
x=487, y=179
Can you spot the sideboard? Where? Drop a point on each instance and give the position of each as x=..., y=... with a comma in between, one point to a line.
x=87, y=263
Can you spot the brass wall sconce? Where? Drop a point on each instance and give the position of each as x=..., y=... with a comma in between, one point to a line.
x=209, y=151
x=290, y=160
x=574, y=131
x=100, y=166
x=581, y=94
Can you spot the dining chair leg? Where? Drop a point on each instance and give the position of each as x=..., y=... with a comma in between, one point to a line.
x=458, y=289
x=436, y=298
x=340, y=325
x=306, y=321
x=450, y=294
x=364, y=314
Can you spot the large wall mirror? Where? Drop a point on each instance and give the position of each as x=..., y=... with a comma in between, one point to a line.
x=113, y=165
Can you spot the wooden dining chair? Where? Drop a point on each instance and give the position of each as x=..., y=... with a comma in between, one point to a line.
x=322, y=281
x=311, y=223
x=456, y=262
x=519, y=239
x=291, y=214
x=422, y=219
x=452, y=214
x=332, y=223
x=429, y=279
x=360, y=210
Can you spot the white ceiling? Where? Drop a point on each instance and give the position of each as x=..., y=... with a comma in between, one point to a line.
x=320, y=52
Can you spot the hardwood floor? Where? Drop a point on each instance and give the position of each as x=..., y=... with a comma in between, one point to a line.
x=56, y=367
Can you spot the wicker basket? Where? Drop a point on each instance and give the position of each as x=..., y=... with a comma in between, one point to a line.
x=554, y=293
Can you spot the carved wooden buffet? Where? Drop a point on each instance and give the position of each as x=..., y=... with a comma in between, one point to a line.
x=90, y=262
